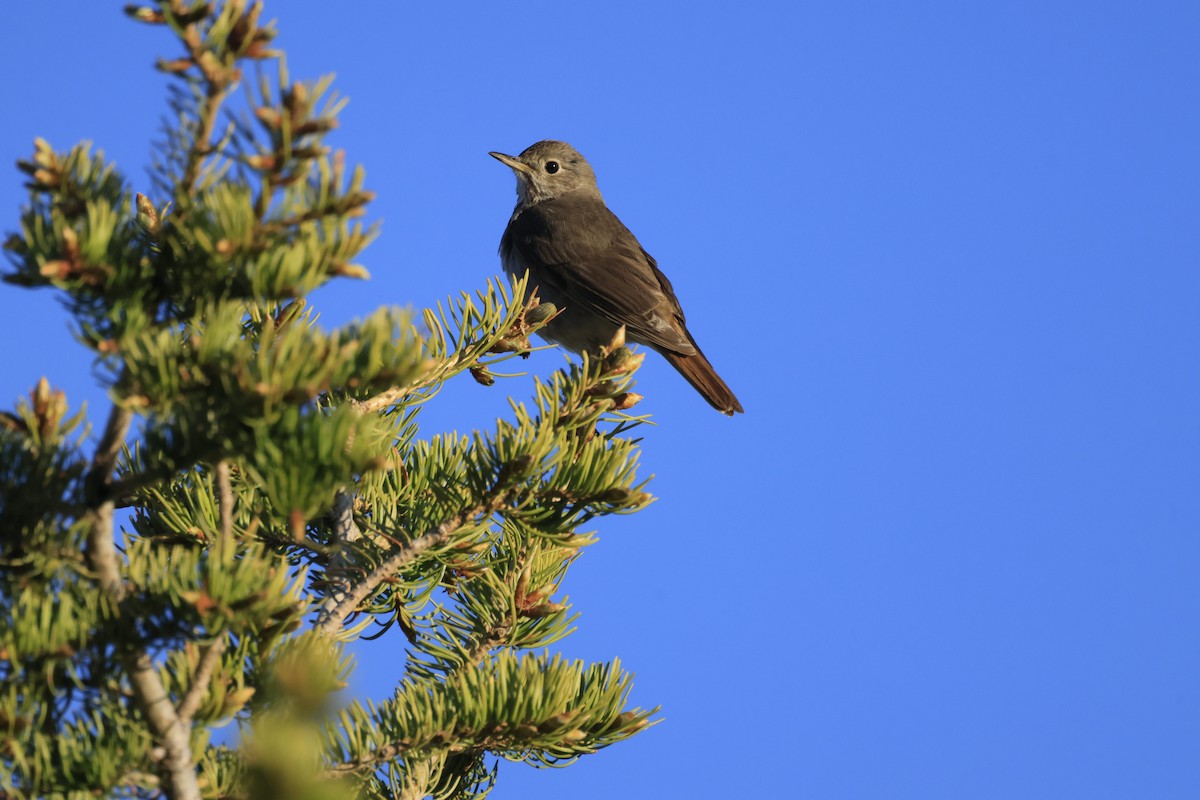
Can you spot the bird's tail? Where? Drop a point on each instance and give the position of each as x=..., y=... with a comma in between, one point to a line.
x=701, y=375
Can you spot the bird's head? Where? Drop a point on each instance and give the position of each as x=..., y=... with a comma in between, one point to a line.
x=549, y=169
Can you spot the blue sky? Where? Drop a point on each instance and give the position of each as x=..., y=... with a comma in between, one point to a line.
x=947, y=256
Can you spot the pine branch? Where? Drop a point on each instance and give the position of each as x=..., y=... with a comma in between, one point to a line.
x=329, y=621
x=562, y=710
x=101, y=549
x=492, y=328
x=344, y=532
x=204, y=672
x=458, y=362
x=171, y=731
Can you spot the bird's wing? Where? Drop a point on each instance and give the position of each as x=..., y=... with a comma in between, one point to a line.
x=582, y=250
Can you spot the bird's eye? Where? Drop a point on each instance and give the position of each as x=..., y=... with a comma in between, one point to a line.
x=552, y=167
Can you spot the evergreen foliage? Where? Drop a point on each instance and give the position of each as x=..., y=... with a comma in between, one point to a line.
x=260, y=493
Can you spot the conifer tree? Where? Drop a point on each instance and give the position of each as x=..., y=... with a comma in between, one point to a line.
x=261, y=493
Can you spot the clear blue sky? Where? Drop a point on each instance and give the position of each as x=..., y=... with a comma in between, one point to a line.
x=947, y=254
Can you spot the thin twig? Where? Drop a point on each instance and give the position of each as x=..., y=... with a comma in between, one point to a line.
x=345, y=532
x=331, y=619
x=474, y=656
x=115, y=430
x=225, y=499
x=202, y=144
x=464, y=357
x=371, y=760
x=382, y=400
x=204, y=672
x=437, y=374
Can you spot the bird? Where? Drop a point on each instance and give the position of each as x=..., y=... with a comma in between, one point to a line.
x=583, y=259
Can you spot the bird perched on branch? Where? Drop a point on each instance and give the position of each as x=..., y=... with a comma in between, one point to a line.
x=581, y=258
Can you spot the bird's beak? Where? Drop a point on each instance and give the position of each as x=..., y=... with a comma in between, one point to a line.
x=518, y=167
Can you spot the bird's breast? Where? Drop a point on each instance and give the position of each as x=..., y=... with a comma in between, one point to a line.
x=576, y=327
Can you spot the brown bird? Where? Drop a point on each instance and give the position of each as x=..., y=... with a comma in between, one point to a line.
x=581, y=258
